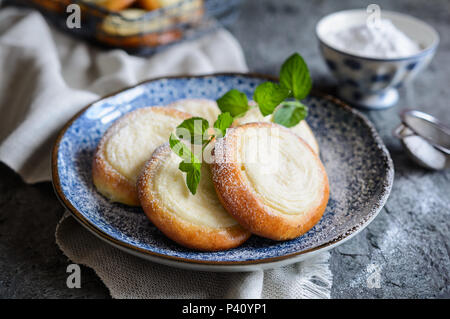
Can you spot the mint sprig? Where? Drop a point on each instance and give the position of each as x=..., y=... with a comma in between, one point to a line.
x=190, y=164
x=295, y=84
x=195, y=130
x=233, y=102
x=224, y=121
x=290, y=113
x=294, y=75
x=269, y=95
x=282, y=98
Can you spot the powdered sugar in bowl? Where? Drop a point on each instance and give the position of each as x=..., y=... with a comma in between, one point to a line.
x=371, y=62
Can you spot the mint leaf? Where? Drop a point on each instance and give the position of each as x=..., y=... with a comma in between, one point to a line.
x=179, y=148
x=269, y=95
x=223, y=122
x=193, y=129
x=233, y=102
x=190, y=164
x=294, y=75
x=290, y=113
x=193, y=175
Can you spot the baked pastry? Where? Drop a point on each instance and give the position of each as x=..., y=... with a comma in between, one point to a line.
x=180, y=10
x=156, y=4
x=302, y=129
x=126, y=146
x=131, y=29
x=111, y=5
x=270, y=180
x=195, y=221
x=204, y=108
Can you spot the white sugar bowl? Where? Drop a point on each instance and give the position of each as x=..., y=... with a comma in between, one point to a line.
x=369, y=82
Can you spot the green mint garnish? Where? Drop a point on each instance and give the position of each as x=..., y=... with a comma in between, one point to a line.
x=193, y=175
x=269, y=95
x=224, y=121
x=295, y=82
x=193, y=129
x=233, y=102
x=294, y=75
x=190, y=164
x=290, y=113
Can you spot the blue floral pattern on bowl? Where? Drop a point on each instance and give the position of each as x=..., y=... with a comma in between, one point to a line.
x=372, y=83
x=359, y=167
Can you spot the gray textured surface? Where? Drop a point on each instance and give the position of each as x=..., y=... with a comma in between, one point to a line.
x=409, y=240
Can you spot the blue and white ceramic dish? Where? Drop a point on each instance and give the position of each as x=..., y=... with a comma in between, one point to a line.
x=359, y=167
x=369, y=82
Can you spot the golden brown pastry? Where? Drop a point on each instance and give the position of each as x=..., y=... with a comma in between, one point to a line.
x=131, y=30
x=270, y=180
x=126, y=146
x=195, y=221
x=182, y=11
x=112, y=5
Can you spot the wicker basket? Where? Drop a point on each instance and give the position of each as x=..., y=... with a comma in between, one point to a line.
x=135, y=30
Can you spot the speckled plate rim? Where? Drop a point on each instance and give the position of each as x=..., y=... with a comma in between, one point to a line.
x=201, y=265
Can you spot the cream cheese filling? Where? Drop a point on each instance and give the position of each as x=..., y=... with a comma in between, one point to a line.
x=302, y=129
x=203, y=208
x=133, y=143
x=281, y=170
x=130, y=22
x=202, y=108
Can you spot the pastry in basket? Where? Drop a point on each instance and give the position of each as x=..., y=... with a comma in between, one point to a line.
x=131, y=28
x=126, y=146
x=302, y=129
x=270, y=180
x=195, y=221
x=181, y=10
x=111, y=5
x=204, y=108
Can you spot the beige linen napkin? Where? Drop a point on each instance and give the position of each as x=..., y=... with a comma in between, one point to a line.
x=45, y=78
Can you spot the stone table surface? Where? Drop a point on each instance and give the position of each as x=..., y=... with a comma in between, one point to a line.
x=409, y=241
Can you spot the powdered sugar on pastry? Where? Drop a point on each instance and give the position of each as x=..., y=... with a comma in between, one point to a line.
x=197, y=221
x=125, y=148
x=285, y=176
x=132, y=144
x=203, y=208
x=270, y=180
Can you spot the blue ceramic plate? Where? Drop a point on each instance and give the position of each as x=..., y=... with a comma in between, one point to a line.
x=359, y=168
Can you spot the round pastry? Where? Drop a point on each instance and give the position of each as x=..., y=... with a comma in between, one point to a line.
x=126, y=146
x=204, y=108
x=302, y=129
x=270, y=180
x=195, y=221
x=131, y=29
x=111, y=5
